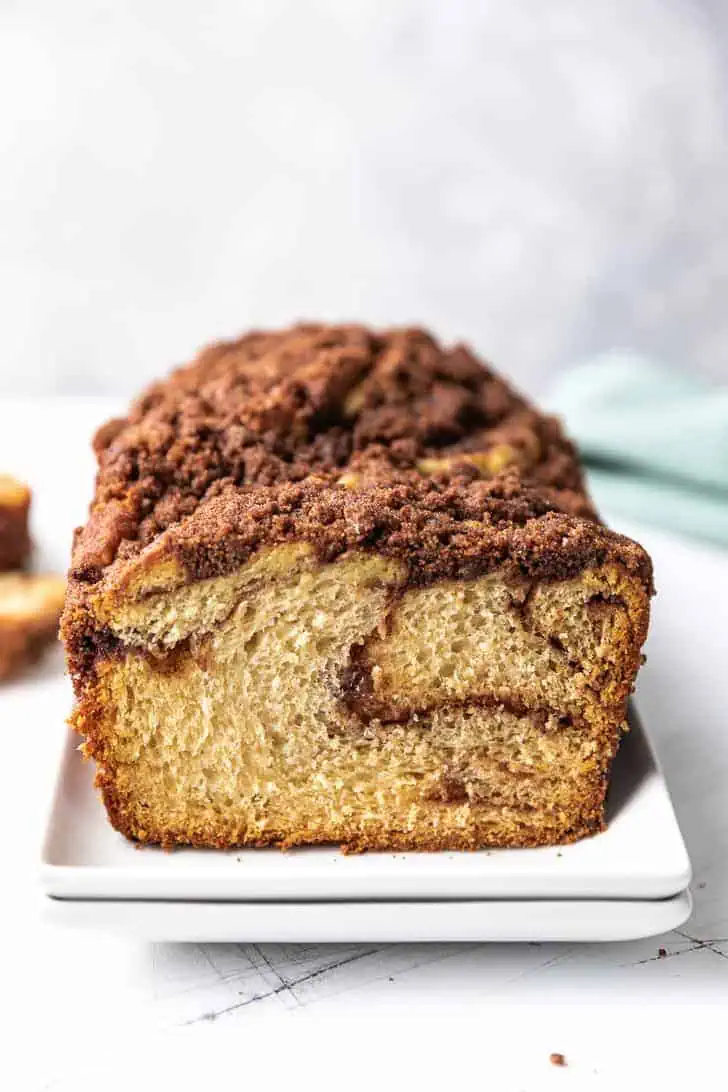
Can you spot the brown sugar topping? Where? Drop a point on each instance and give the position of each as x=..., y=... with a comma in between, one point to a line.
x=343, y=437
x=456, y=530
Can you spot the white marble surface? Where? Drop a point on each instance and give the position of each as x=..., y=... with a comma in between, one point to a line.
x=544, y=179
x=86, y=1011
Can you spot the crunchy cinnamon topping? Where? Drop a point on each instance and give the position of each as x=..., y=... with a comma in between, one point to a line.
x=319, y=403
x=442, y=529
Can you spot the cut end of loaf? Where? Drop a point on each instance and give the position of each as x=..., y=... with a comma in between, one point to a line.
x=293, y=702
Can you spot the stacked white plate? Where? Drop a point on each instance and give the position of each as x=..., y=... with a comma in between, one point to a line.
x=631, y=881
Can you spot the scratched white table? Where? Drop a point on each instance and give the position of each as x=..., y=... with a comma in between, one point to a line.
x=399, y=1015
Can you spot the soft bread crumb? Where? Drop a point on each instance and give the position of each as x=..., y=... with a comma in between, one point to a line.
x=414, y=718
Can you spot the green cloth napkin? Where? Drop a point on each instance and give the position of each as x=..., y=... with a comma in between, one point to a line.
x=655, y=442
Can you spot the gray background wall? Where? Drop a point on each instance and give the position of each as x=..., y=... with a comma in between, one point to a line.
x=544, y=179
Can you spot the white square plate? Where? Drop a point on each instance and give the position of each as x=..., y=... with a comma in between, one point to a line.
x=382, y=922
x=640, y=856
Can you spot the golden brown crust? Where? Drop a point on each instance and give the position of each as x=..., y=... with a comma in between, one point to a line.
x=385, y=840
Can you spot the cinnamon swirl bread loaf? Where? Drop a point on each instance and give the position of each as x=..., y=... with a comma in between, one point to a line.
x=347, y=586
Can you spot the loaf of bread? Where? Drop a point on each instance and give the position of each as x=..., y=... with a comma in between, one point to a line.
x=342, y=586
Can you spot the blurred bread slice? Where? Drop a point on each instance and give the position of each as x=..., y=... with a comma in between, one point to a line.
x=30, y=606
x=14, y=536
